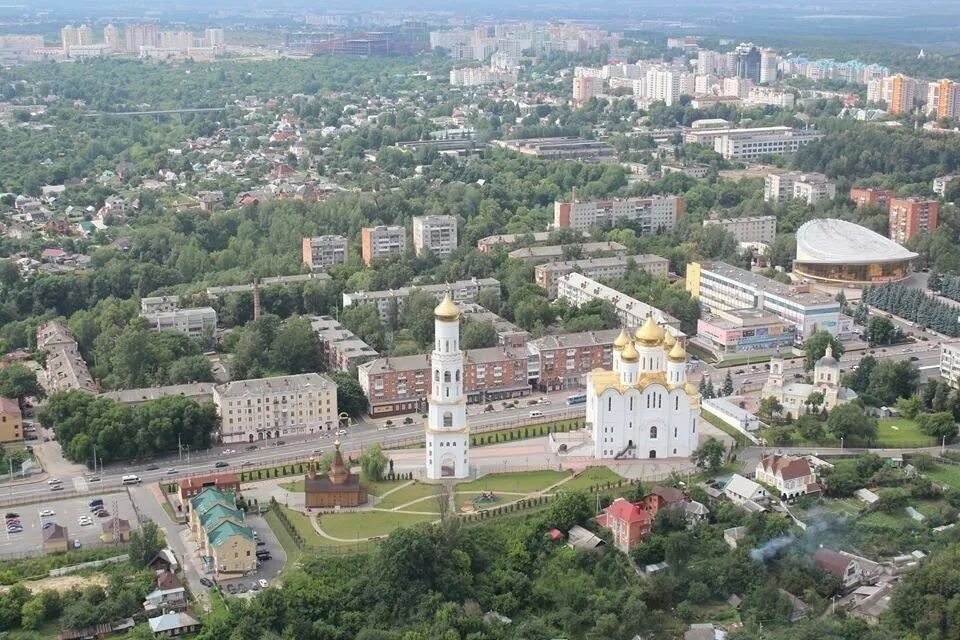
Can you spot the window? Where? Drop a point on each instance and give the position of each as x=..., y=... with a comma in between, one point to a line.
x=446, y=376
x=609, y=404
x=448, y=419
x=653, y=433
x=456, y=375
x=436, y=375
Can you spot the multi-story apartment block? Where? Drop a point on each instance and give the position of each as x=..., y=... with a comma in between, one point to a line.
x=111, y=37
x=750, y=229
x=586, y=87
x=322, y=252
x=558, y=251
x=141, y=35
x=508, y=334
x=342, y=350
x=268, y=408
x=778, y=187
x=941, y=184
x=506, y=240
x=718, y=286
x=950, y=363
x=747, y=144
x=548, y=275
x=65, y=368
x=577, y=289
x=736, y=87
x=563, y=361
x=382, y=242
x=436, y=233
x=651, y=215
x=943, y=99
x=196, y=322
x=156, y=304
x=461, y=291
x=903, y=94
x=811, y=187
x=910, y=216
x=869, y=196
x=768, y=66
x=402, y=384
x=11, y=421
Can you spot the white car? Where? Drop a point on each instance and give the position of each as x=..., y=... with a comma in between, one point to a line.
x=53, y=481
x=46, y=513
x=264, y=583
x=171, y=471
x=85, y=522
x=342, y=432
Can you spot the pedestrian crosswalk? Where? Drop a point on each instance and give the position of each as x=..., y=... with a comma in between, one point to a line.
x=80, y=485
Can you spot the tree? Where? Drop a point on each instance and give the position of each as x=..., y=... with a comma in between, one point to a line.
x=569, y=508
x=709, y=455
x=350, y=396
x=938, y=425
x=478, y=335
x=856, y=427
x=769, y=408
x=18, y=381
x=145, y=543
x=296, y=348
x=816, y=345
x=373, y=462
x=909, y=407
x=881, y=331
x=728, y=384
x=814, y=400
x=892, y=379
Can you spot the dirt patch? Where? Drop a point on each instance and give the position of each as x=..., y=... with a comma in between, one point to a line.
x=62, y=583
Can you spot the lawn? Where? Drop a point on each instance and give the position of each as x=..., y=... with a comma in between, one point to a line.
x=902, y=433
x=364, y=524
x=945, y=474
x=289, y=546
x=380, y=488
x=589, y=478
x=296, y=486
x=463, y=498
x=880, y=520
x=519, y=482
x=407, y=494
x=521, y=433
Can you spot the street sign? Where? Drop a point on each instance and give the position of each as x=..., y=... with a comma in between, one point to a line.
x=26, y=465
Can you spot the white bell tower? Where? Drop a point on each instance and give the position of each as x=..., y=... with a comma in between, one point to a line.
x=447, y=433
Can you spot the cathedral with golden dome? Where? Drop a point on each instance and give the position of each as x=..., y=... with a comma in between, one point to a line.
x=644, y=408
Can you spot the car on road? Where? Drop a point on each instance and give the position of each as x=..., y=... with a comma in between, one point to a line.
x=206, y=582
x=46, y=513
x=221, y=464
x=232, y=588
x=914, y=358
x=48, y=524
x=264, y=583
x=85, y=521
x=252, y=447
x=171, y=471
x=738, y=372
x=14, y=529
x=261, y=543
x=342, y=432
x=56, y=487
x=254, y=586
x=12, y=515
x=280, y=443
x=264, y=557
x=53, y=481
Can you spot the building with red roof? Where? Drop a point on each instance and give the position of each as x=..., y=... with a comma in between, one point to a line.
x=629, y=523
x=190, y=487
x=792, y=477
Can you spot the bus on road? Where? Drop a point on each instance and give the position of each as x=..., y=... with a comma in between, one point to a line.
x=577, y=399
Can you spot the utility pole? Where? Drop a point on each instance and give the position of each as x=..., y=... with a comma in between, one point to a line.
x=179, y=448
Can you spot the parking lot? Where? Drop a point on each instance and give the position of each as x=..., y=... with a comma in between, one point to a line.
x=66, y=513
x=268, y=570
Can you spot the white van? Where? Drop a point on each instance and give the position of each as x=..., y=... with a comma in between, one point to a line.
x=131, y=479
x=536, y=414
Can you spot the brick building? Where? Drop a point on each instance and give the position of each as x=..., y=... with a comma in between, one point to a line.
x=560, y=362
x=910, y=216
x=382, y=242
x=869, y=195
x=322, y=252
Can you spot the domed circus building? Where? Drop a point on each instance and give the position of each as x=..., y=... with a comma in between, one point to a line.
x=842, y=253
x=643, y=408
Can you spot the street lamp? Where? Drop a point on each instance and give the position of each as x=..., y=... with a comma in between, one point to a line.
x=841, y=444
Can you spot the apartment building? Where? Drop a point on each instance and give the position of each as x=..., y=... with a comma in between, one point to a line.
x=943, y=99
x=718, y=286
x=563, y=361
x=748, y=144
x=577, y=289
x=586, y=87
x=942, y=183
x=811, y=187
x=548, y=275
x=11, y=421
x=269, y=408
x=508, y=334
x=156, y=304
x=910, y=216
x=903, y=94
x=382, y=242
x=342, y=350
x=870, y=196
x=750, y=229
x=196, y=322
x=402, y=384
x=558, y=251
x=461, y=291
x=322, y=252
x=65, y=368
x=950, y=363
x=436, y=233
x=507, y=240
x=651, y=215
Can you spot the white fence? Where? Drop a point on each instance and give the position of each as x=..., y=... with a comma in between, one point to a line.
x=94, y=564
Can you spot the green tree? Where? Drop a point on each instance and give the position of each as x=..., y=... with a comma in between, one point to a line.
x=769, y=408
x=815, y=347
x=850, y=421
x=728, y=384
x=18, y=381
x=881, y=331
x=145, y=543
x=709, y=455
x=350, y=396
x=296, y=348
x=569, y=508
x=477, y=335
x=373, y=462
x=940, y=426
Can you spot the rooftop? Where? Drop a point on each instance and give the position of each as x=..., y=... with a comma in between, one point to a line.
x=129, y=396
x=832, y=241
x=792, y=292
x=9, y=406
x=260, y=386
x=606, y=261
x=557, y=249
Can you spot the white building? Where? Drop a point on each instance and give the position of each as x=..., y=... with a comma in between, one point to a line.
x=652, y=215
x=811, y=187
x=750, y=229
x=741, y=490
x=437, y=233
x=950, y=363
x=747, y=144
x=643, y=408
x=269, y=408
x=154, y=304
x=941, y=184
x=792, y=477
x=768, y=96
x=577, y=289
x=548, y=274
x=447, y=433
x=461, y=291
x=794, y=395
x=196, y=322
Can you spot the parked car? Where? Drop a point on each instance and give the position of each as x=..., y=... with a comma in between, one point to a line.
x=152, y=467
x=12, y=515
x=264, y=558
x=171, y=471
x=47, y=512
x=263, y=583
x=76, y=543
x=14, y=529
x=48, y=524
x=221, y=464
x=342, y=432
x=103, y=514
x=242, y=588
x=252, y=447
x=254, y=586
x=95, y=502
x=261, y=543
x=206, y=582
x=232, y=588
x=280, y=443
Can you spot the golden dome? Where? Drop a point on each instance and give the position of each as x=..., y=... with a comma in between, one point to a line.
x=630, y=353
x=447, y=310
x=677, y=354
x=621, y=341
x=650, y=334
x=668, y=340
x=691, y=390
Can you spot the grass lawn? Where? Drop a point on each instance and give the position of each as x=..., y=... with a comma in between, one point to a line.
x=463, y=498
x=945, y=474
x=363, y=524
x=902, y=433
x=521, y=433
x=290, y=548
x=880, y=520
x=380, y=488
x=929, y=508
x=739, y=438
x=519, y=482
x=296, y=486
x=408, y=494
x=590, y=477
x=849, y=506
